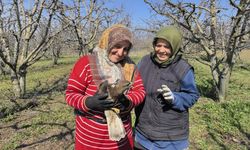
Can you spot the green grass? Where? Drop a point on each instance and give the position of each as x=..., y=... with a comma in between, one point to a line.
x=40, y=76
x=44, y=72
x=220, y=125
x=38, y=127
x=212, y=125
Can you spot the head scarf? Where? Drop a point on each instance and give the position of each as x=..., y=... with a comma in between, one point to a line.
x=174, y=36
x=113, y=35
x=100, y=64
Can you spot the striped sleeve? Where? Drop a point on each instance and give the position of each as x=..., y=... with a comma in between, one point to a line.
x=77, y=84
x=137, y=92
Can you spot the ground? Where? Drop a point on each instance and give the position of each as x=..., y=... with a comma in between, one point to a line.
x=47, y=126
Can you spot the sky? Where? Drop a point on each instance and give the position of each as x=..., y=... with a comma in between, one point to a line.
x=140, y=11
x=136, y=8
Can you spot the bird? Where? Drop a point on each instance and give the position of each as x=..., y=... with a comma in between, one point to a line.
x=116, y=128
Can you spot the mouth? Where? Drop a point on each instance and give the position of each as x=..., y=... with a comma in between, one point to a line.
x=162, y=55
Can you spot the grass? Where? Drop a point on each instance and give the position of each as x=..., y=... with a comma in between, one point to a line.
x=221, y=125
x=50, y=125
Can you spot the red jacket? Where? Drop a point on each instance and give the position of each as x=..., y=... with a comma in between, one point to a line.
x=90, y=134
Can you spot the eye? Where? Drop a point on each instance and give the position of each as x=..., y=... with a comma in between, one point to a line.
x=167, y=46
x=118, y=46
x=126, y=49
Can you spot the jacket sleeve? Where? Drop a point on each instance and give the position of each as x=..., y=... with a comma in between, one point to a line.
x=77, y=84
x=137, y=92
x=188, y=94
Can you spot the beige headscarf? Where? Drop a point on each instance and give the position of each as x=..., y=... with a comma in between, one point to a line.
x=107, y=69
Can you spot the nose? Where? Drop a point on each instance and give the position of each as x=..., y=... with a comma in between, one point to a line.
x=161, y=49
x=120, y=52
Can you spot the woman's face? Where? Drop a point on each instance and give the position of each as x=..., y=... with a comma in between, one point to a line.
x=163, y=49
x=119, y=51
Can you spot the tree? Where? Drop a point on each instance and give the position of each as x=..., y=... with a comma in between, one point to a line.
x=210, y=27
x=86, y=19
x=55, y=49
x=25, y=35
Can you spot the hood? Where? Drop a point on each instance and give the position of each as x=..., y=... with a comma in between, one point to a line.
x=174, y=36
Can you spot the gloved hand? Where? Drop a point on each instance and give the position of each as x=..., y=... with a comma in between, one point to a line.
x=122, y=102
x=99, y=102
x=166, y=93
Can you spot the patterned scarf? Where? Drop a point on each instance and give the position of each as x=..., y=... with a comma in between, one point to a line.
x=102, y=68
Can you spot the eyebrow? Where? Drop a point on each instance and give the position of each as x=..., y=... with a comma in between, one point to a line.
x=167, y=45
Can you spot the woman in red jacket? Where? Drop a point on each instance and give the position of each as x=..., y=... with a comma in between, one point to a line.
x=109, y=62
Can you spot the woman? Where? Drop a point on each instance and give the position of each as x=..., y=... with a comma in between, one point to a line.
x=110, y=62
x=162, y=121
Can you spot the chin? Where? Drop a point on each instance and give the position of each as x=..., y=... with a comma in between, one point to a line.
x=114, y=60
x=163, y=58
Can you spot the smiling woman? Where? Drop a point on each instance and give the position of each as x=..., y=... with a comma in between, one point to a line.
x=108, y=64
x=171, y=83
x=119, y=51
x=119, y=44
x=163, y=49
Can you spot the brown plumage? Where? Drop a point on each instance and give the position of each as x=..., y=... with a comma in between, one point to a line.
x=115, y=126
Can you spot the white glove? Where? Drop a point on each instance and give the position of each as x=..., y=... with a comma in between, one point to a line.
x=166, y=93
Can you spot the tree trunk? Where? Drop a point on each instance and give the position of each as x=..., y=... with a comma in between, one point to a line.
x=22, y=80
x=2, y=70
x=55, y=57
x=220, y=79
x=223, y=86
x=216, y=76
x=15, y=84
x=80, y=52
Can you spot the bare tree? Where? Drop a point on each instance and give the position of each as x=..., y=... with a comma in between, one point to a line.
x=220, y=36
x=56, y=49
x=59, y=44
x=25, y=35
x=87, y=19
x=78, y=14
